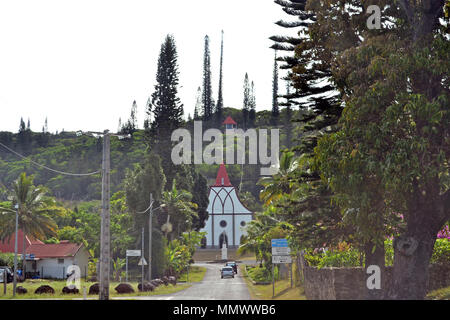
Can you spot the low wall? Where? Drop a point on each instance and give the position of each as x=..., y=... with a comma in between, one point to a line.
x=439, y=276
x=350, y=283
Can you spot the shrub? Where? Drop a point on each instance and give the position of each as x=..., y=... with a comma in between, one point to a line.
x=7, y=259
x=331, y=258
x=260, y=274
x=389, y=252
x=349, y=258
x=441, y=251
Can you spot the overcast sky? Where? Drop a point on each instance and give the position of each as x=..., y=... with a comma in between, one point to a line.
x=82, y=63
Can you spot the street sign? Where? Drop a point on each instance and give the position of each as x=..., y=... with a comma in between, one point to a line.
x=133, y=253
x=279, y=243
x=281, y=251
x=281, y=259
x=142, y=262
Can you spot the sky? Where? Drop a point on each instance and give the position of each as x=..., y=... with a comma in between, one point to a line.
x=82, y=63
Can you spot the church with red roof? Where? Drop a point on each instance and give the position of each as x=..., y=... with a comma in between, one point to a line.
x=228, y=217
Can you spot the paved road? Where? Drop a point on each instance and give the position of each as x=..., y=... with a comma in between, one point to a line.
x=211, y=288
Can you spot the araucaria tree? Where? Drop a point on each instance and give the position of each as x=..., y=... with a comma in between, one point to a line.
x=131, y=125
x=208, y=105
x=165, y=104
x=275, y=107
x=247, y=101
x=198, y=105
x=286, y=45
x=394, y=137
x=252, y=112
x=219, y=106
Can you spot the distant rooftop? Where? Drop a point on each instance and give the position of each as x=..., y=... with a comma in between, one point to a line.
x=229, y=120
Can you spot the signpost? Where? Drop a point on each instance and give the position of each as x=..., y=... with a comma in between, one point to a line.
x=133, y=253
x=281, y=251
x=280, y=254
x=142, y=262
x=281, y=259
x=279, y=243
x=130, y=253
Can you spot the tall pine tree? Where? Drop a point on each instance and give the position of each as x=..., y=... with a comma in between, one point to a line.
x=309, y=208
x=24, y=138
x=275, y=106
x=219, y=106
x=287, y=116
x=198, y=105
x=208, y=105
x=252, y=112
x=131, y=125
x=246, y=104
x=165, y=104
x=287, y=44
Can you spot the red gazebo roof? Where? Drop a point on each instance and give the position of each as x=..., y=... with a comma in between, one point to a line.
x=229, y=120
x=222, y=179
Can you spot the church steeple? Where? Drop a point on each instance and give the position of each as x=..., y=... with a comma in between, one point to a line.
x=222, y=177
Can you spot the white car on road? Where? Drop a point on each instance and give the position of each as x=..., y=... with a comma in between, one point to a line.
x=227, y=272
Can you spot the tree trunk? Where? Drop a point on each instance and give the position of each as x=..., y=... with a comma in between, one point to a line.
x=376, y=258
x=412, y=254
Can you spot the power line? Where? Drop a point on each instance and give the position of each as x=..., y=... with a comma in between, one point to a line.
x=45, y=167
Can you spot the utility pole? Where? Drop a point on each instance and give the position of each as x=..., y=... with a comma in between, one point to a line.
x=150, y=229
x=105, y=240
x=142, y=260
x=105, y=236
x=15, y=252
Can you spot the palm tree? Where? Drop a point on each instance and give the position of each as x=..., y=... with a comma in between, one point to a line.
x=34, y=211
x=180, y=209
x=282, y=182
x=255, y=240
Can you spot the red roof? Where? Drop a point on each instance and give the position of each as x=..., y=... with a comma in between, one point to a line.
x=8, y=245
x=229, y=120
x=222, y=177
x=54, y=250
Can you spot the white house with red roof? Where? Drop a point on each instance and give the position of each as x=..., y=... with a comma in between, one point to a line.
x=52, y=260
x=48, y=260
x=228, y=217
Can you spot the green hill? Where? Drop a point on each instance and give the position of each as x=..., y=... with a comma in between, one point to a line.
x=68, y=152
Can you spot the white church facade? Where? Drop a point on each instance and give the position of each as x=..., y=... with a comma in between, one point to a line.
x=228, y=217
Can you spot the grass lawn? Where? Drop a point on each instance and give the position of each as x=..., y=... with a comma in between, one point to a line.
x=440, y=294
x=283, y=290
x=32, y=285
x=196, y=274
